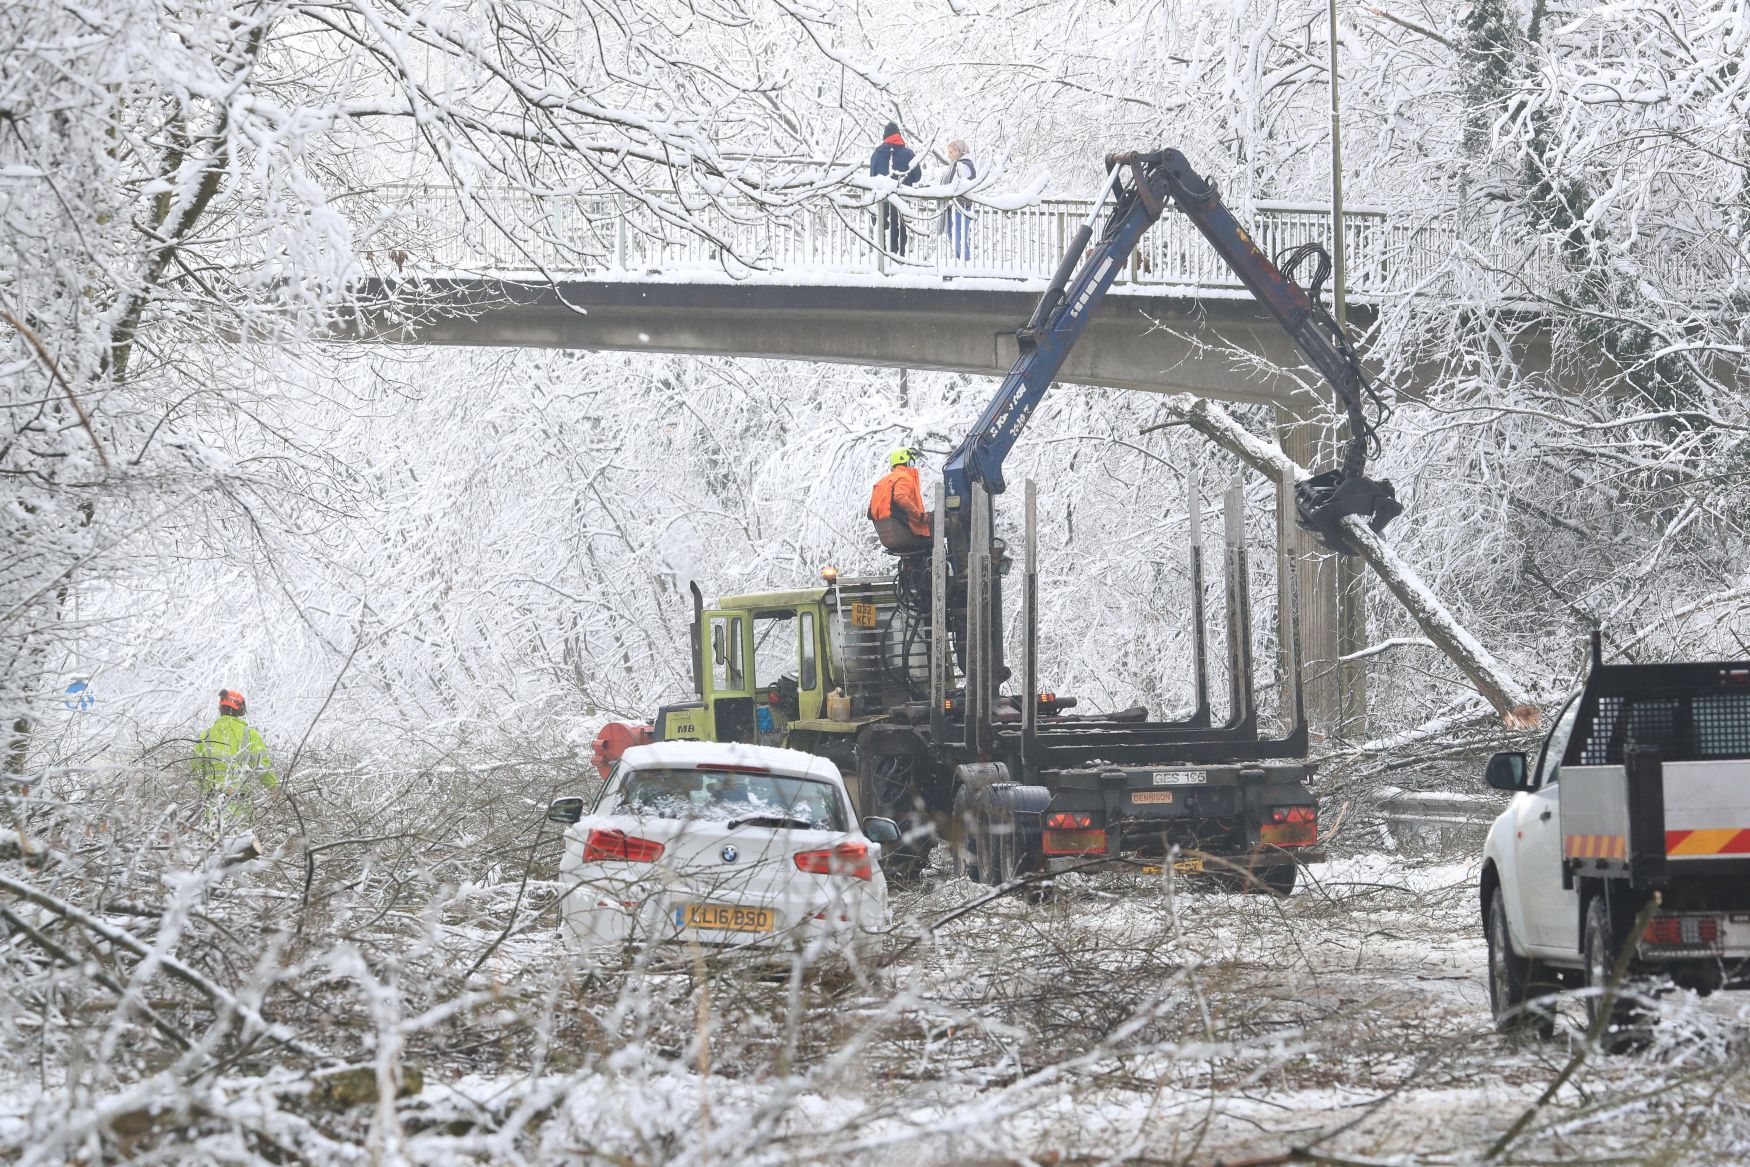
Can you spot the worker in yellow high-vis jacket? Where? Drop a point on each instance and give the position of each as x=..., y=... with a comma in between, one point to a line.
x=230, y=762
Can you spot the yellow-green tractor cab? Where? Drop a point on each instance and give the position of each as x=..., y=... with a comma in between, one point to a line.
x=764, y=664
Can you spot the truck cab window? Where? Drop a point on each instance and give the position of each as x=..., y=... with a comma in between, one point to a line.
x=1549, y=763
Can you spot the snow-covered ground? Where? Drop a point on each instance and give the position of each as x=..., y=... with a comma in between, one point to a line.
x=1129, y=1020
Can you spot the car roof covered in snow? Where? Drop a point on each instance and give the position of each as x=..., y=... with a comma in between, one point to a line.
x=706, y=754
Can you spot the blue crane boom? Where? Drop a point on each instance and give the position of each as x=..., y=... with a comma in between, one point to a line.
x=1077, y=288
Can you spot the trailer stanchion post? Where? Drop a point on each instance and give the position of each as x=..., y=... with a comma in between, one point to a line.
x=1288, y=611
x=1241, y=710
x=977, y=645
x=1030, y=628
x=1199, y=618
x=941, y=642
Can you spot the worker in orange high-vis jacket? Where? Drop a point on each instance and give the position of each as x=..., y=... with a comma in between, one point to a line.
x=896, y=506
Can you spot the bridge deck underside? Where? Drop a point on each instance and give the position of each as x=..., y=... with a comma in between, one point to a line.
x=1224, y=348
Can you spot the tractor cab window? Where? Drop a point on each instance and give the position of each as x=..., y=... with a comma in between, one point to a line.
x=774, y=647
x=809, y=675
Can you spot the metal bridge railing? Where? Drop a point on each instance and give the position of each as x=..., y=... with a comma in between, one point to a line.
x=425, y=229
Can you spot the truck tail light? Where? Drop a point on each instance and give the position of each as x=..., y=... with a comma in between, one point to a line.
x=1681, y=931
x=1081, y=842
x=620, y=847
x=1068, y=821
x=845, y=859
x=1290, y=826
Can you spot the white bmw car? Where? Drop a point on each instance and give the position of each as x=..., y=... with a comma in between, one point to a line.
x=722, y=845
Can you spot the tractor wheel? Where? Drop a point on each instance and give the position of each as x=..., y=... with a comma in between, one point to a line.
x=889, y=789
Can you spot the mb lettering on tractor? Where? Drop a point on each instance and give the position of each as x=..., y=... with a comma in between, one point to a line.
x=900, y=679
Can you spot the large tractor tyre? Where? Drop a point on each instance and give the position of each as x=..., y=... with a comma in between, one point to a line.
x=1628, y=1026
x=1515, y=982
x=888, y=788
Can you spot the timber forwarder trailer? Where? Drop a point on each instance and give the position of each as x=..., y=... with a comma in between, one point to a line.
x=1034, y=790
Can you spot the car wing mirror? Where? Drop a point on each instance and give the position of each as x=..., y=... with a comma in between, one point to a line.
x=565, y=810
x=1506, y=771
x=880, y=830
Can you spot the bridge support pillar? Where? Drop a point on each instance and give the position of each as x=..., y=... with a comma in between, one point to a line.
x=1333, y=614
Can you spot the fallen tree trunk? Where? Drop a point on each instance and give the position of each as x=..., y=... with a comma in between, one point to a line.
x=1499, y=687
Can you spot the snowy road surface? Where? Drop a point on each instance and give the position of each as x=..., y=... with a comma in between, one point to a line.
x=1122, y=1022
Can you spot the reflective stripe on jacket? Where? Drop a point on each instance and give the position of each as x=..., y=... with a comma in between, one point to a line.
x=898, y=490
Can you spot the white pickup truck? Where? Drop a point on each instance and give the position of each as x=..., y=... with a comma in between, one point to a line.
x=1641, y=787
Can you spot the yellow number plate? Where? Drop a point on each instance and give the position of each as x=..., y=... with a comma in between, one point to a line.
x=863, y=615
x=724, y=917
x=1182, y=866
x=1137, y=796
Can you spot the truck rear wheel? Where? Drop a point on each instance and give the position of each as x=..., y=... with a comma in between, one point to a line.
x=1280, y=879
x=1627, y=1027
x=1515, y=981
x=970, y=843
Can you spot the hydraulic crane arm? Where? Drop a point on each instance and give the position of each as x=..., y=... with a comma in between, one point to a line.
x=1078, y=287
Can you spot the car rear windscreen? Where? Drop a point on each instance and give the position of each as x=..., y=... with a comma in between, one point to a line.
x=725, y=795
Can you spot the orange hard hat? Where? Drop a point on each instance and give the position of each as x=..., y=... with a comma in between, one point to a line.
x=231, y=699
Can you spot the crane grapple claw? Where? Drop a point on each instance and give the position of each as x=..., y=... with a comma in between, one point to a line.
x=1324, y=500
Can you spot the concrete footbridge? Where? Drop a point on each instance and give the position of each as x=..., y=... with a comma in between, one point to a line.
x=820, y=281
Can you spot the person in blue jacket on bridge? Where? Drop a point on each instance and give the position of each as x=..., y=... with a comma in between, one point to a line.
x=894, y=159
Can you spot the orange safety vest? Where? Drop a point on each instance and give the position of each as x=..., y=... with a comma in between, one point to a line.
x=898, y=490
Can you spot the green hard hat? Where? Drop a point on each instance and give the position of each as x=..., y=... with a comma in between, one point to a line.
x=901, y=457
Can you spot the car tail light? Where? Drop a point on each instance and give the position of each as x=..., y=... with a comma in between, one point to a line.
x=1068, y=821
x=845, y=859
x=1293, y=814
x=1062, y=842
x=620, y=847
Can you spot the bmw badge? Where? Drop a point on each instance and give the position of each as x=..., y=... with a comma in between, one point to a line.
x=729, y=853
